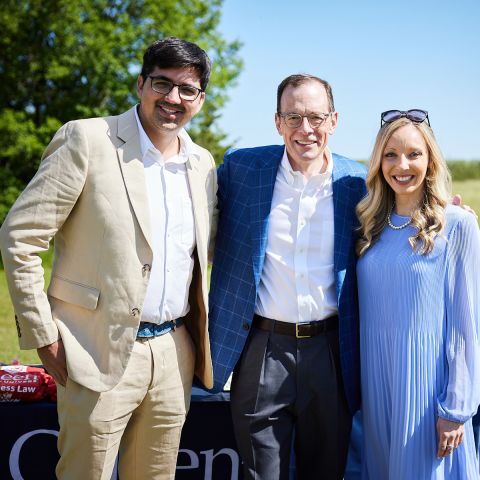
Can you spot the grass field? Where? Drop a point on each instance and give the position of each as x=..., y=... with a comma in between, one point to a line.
x=470, y=192
x=468, y=189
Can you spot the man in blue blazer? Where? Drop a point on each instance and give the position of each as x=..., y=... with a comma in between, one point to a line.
x=283, y=296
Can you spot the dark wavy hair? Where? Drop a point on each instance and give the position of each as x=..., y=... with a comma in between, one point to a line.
x=173, y=52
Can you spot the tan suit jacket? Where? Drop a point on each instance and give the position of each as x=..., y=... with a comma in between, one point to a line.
x=90, y=193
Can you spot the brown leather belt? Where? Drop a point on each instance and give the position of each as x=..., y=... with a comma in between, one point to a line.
x=298, y=330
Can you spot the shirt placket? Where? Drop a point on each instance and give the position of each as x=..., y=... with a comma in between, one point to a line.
x=302, y=241
x=165, y=311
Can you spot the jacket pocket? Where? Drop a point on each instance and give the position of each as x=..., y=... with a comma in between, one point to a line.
x=74, y=292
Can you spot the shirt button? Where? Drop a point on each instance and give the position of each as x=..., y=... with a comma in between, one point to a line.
x=246, y=326
x=135, y=311
x=146, y=268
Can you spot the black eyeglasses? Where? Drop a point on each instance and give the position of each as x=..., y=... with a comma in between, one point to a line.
x=294, y=120
x=415, y=115
x=185, y=92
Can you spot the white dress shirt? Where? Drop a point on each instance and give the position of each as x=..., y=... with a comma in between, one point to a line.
x=298, y=283
x=172, y=227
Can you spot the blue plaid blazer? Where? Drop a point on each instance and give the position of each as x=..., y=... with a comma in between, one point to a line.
x=245, y=188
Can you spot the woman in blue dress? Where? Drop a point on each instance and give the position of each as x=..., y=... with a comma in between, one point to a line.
x=419, y=293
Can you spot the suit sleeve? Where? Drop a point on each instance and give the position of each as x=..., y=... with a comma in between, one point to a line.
x=461, y=394
x=220, y=181
x=36, y=216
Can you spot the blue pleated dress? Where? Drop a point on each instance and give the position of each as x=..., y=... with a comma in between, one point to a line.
x=420, y=352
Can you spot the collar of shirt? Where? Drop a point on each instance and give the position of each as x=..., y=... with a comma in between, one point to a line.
x=151, y=154
x=294, y=177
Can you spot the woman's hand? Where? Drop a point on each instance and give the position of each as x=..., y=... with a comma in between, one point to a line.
x=450, y=436
x=457, y=200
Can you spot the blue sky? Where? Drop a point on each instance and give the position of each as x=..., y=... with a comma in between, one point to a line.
x=377, y=55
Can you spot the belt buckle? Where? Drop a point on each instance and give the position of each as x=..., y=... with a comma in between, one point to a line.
x=296, y=330
x=174, y=324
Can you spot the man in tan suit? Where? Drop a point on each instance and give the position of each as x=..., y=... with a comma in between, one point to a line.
x=123, y=327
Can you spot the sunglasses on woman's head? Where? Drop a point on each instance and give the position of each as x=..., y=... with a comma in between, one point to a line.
x=415, y=115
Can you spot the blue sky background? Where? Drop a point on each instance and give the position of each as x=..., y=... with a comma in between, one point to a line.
x=377, y=55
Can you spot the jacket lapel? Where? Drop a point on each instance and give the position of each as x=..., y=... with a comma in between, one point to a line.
x=339, y=214
x=342, y=213
x=263, y=182
x=199, y=201
x=131, y=165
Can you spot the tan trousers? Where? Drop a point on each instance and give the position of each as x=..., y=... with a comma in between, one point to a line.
x=141, y=418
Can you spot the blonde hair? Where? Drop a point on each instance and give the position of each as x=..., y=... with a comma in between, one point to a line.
x=429, y=218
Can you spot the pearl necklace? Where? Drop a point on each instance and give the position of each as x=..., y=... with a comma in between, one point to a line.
x=397, y=227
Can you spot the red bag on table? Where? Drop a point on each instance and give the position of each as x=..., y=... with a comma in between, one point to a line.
x=20, y=383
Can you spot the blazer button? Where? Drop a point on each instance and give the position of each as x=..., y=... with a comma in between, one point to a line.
x=146, y=268
x=246, y=326
x=135, y=311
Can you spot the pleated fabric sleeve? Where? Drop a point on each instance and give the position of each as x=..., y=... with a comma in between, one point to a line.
x=460, y=397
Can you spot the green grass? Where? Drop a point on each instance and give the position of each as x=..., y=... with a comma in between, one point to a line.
x=470, y=192
x=9, y=350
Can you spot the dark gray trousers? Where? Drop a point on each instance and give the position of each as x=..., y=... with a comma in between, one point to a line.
x=284, y=385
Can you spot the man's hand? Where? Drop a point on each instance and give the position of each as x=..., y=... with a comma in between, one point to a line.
x=457, y=200
x=54, y=361
x=450, y=436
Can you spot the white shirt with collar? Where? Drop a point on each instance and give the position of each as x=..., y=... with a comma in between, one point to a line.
x=172, y=227
x=298, y=283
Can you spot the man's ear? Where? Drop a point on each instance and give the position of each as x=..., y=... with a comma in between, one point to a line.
x=140, y=84
x=333, y=122
x=278, y=124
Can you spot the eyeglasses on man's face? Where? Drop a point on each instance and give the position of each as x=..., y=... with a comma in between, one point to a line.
x=186, y=92
x=294, y=120
x=415, y=115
